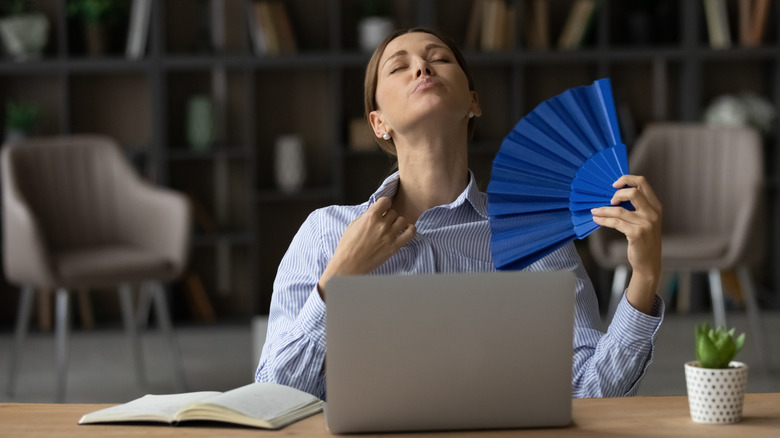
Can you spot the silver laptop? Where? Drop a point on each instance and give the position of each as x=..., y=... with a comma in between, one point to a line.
x=449, y=351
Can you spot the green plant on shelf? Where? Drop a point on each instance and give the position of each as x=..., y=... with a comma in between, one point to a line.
x=716, y=348
x=21, y=116
x=97, y=11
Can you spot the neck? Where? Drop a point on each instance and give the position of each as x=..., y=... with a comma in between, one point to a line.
x=432, y=172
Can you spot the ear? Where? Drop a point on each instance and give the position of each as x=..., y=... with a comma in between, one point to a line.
x=375, y=118
x=474, y=107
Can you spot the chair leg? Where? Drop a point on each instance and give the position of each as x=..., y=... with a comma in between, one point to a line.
x=684, y=292
x=131, y=328
x=716, y=293
x=62, y=342
x=144, y=307
x=754, y=318
x=22, y=323
x=618, y=287
x=164, y=322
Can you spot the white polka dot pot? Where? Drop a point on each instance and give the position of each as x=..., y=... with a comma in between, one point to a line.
x=715, y=396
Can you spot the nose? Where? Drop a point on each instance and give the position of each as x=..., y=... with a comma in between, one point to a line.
x=423, y=68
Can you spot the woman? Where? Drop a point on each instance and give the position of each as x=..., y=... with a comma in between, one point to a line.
x=430, y=217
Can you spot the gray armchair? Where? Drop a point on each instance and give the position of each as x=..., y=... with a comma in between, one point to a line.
x=710, y=181
x=76, y=215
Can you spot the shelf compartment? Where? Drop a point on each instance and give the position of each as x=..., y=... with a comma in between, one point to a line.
x=226, y=275
x=295, y=102
x=45, y=91
x=219, y=193
x=725, y=77
x=644, y=92
x=644, y=24
x=229, y=119
x=95, y=106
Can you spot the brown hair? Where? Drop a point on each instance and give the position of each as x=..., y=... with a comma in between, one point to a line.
x=372, y=70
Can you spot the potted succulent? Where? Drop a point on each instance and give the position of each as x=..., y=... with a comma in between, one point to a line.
x=20, y=118
x=98, y=18
x=23, y=31
x=716, y=383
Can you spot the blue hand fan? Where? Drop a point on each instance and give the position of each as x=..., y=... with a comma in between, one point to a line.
x=559, y=161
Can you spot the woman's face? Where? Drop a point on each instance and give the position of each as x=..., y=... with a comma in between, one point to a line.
x=419, y=81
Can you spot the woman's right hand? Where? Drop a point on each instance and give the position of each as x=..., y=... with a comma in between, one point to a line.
x=368, y=242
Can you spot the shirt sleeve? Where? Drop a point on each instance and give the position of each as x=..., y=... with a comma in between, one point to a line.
x=609, y=364
x=294, y=349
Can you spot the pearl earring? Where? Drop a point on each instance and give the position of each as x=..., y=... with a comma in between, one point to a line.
x=386, y=136
x=471, y=114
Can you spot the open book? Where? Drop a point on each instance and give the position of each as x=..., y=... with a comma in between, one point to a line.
x=264, y=405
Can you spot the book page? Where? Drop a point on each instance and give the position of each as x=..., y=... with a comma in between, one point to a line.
x=147, y=408
x=262, y=401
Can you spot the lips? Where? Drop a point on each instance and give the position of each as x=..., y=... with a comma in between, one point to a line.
x=425, y=84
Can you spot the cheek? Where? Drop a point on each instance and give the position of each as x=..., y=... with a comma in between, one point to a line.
x=386, y=94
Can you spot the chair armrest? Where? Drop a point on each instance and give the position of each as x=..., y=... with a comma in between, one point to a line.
x=25, y=252
x=159, y=220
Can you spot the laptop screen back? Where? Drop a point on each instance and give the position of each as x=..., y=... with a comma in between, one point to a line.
x=449, y=351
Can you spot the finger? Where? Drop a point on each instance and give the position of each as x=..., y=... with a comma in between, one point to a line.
x=633, y=195
x=381, y=205
x=641, y=183
x=390, y=216
x=616, y=223
x=399, y=224
x=406, y=236
x=617, y=214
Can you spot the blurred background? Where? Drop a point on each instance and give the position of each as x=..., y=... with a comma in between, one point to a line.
x=254, y=110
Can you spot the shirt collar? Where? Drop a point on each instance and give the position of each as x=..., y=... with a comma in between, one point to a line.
x=478, y=200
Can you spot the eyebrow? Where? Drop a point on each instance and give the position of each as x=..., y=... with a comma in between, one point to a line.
x=428, y=48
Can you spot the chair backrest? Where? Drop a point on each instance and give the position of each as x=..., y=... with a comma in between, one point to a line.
x=702, y=174
x=72, y=185
x=709, y=180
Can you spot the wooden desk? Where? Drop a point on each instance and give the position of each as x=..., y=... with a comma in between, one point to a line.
x=640, y=416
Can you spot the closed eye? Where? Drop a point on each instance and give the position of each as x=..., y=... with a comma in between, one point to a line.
x=397, y=68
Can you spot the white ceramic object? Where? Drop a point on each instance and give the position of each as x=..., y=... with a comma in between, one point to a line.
x=289, y=163
x=372, y=30
x=715, y=396
x=24, y=36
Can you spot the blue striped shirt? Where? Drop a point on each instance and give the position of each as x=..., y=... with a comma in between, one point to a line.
x=450, y=238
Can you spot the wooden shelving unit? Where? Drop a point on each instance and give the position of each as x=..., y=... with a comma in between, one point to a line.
x=317, y=91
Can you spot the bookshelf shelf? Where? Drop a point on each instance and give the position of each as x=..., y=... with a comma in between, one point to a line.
x=317, y=91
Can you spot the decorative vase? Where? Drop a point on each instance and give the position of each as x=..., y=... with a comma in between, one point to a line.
x=200, y=123
x=715, y=396
x=24, y=36
x=290, y=169
x=372, y=30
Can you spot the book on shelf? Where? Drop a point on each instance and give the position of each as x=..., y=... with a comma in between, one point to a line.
x=760, y=12
x=537, y=24
x=261, y=405
x=745, y=13
x=577, y=24
x=491, y=26
x=271, y=29
x=138, y=28
x=718, y=29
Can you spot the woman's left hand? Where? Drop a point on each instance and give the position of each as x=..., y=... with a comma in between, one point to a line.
x=642, y=228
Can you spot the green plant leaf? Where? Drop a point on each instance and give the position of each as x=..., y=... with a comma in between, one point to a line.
x=716, y=348
x=739, y=343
